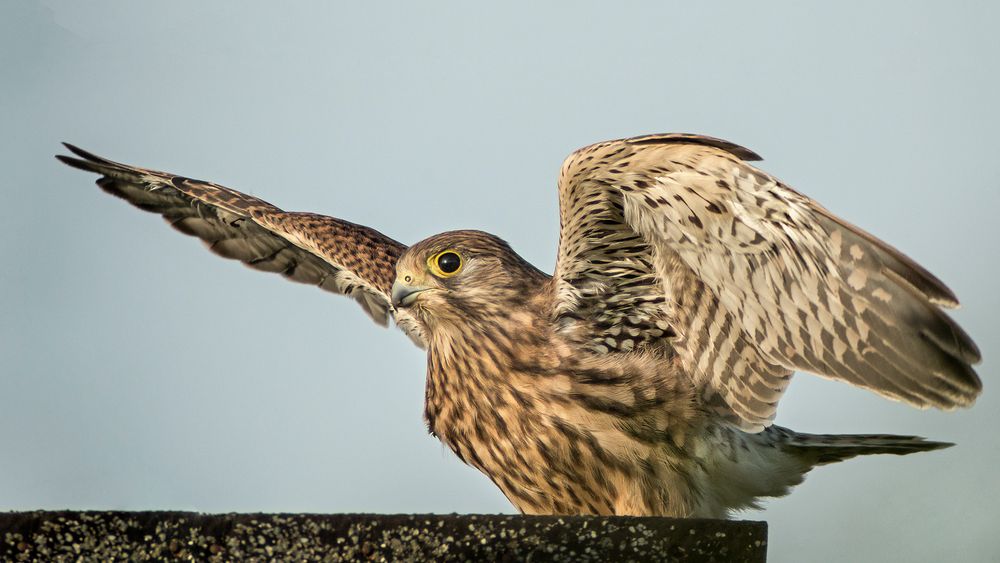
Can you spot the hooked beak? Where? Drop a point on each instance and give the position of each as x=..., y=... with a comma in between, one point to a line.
x=403, y=295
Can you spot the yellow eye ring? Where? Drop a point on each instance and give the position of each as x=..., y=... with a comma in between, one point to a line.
x=445, y=264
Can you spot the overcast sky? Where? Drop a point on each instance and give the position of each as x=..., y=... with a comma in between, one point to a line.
x=139, y=371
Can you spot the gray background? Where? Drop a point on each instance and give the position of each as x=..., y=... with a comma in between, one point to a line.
x=141, y=372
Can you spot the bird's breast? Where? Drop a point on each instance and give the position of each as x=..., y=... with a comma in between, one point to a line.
x=557, y=433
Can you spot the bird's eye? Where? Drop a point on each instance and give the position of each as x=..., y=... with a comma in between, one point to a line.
x=445, y=264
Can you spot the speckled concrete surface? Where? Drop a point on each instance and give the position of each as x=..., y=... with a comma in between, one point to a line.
x=144, y=536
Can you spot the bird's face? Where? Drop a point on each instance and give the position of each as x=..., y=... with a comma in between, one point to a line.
x=448, y=276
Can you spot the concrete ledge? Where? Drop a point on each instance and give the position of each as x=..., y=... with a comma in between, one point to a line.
x=120, y=536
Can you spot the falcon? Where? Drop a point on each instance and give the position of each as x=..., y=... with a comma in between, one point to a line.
x=643, y=375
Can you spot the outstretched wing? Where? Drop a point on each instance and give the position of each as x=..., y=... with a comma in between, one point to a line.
x=335, y=255
x=676, y=236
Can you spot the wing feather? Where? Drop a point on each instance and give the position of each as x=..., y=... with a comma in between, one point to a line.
x=333, y=254
x=757, y=279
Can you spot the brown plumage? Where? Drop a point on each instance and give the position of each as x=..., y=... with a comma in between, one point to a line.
x=642, y=377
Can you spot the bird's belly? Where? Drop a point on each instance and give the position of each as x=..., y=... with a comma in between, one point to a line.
x=563, y=461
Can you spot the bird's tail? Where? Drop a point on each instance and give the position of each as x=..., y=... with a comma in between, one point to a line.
x=820, y=449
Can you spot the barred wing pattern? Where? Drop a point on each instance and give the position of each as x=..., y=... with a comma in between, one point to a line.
x=336, y=255
x=748, y=279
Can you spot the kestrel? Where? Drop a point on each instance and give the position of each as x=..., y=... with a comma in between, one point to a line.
x=642, y=377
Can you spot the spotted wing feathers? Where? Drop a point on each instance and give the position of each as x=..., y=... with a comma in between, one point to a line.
x=335, y=255
x=757, y=279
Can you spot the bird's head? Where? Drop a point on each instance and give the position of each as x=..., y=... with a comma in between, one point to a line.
x=458, y=274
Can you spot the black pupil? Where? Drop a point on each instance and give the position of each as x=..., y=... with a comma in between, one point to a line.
x=449, y=262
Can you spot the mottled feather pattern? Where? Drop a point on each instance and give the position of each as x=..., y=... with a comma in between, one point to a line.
x=509, y=396
x=609, y=294
x=335, y=255
x=785, y=290
x=643, y=376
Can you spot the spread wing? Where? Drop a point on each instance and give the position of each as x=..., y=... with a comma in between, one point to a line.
x=677, y=237
x=335, y=255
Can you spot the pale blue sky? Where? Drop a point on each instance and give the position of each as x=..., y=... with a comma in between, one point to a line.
x=138, y=371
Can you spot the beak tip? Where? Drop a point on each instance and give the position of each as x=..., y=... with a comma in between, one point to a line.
x=403, y=295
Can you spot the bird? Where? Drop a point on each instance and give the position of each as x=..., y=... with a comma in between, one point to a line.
x=643, y=375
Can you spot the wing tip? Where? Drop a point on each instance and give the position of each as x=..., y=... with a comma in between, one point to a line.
x=921, y=444
x=933, y=289
x=87, y=161
x=85, y=165
x=951, y=394
x=86, y=155
x=944, y=297
x=948, y=336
